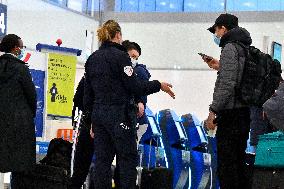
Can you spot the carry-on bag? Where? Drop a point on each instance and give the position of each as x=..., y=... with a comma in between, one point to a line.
x=270, y=150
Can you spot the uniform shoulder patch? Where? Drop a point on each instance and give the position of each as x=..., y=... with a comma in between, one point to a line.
x=128, y=70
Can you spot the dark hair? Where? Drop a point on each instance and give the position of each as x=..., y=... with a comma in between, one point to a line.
x=131, y=46
x=9, y=42
x=228, y=27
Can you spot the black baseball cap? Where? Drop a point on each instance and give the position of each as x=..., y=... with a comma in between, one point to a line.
x=228, y=20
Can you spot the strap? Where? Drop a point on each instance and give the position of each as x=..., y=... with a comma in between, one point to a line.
x=205, y=178
x=184, y=176
x=237, y=88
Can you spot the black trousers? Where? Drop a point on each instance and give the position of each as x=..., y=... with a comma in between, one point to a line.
x=83, y=157
x=114, y=135
x=232, y=134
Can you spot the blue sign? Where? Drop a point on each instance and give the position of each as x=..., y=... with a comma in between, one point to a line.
x=41, y=147
x=3, y=20
x=38, y=79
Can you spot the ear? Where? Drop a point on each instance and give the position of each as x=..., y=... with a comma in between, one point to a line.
x=225, y=29
x=15, y=49
x=118, y=35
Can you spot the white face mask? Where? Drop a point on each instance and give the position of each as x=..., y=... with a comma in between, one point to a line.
x=134, y=62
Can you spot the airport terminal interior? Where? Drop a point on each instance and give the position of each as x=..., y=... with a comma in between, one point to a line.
x=60, y=35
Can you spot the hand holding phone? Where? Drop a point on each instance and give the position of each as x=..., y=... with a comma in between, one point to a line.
x=205, y=57
x=212, y=63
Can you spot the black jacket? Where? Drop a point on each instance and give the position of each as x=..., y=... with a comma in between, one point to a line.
x=110, y=74
x=78, y=98
x=17, y=109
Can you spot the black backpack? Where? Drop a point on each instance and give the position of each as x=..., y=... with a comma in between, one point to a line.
x=58, y=154
x=261, y=76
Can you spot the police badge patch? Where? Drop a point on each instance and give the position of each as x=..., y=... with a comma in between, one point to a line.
x=128, y=70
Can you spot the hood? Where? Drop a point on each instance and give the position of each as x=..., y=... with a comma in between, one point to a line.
x=145, y=68
x=237, y=34
x=6, y=71
x=107, y=44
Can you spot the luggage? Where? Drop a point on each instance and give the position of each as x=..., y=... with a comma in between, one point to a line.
x=270, y=150
x=154, y=177
x=41, y=177
x=268, y=178
x=157, y=178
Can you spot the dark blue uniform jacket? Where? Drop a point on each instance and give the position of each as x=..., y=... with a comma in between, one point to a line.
x=110, y=74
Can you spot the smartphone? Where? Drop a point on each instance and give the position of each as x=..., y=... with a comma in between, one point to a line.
x=208, y=58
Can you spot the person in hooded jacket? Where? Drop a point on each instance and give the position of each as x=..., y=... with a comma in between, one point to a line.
x=110, y=87
x=18, y=106
x=142, y=73
x=227, y=111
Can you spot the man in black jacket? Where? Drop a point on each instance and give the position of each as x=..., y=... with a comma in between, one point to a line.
x=227, y=110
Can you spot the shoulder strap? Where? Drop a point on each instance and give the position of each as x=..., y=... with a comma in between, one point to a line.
x=239, y=46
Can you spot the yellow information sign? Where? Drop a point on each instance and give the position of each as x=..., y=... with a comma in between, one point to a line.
x=61, y=81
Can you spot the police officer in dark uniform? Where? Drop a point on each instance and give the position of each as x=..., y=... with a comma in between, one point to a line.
x=109, y=89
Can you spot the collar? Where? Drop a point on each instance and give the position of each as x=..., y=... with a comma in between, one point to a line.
x=12, y=54
x=112, y=44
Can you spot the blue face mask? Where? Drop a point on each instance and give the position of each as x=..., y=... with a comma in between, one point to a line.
x=21, y=55
x=217, y=39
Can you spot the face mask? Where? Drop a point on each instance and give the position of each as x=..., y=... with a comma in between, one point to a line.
x=134, y=62
x=21, y=55
x=217, y=40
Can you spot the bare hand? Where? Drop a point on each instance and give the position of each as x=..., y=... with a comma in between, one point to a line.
x=141, y=109
x=212, y=62
x=209, y=123
x=264, y=116
x=207, y=58
x=166, y=87
x=91, y=132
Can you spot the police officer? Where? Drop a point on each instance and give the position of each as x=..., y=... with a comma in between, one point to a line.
x=109, y=74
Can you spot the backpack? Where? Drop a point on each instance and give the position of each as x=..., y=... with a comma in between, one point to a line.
x=261, y=77
x=58, y=154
